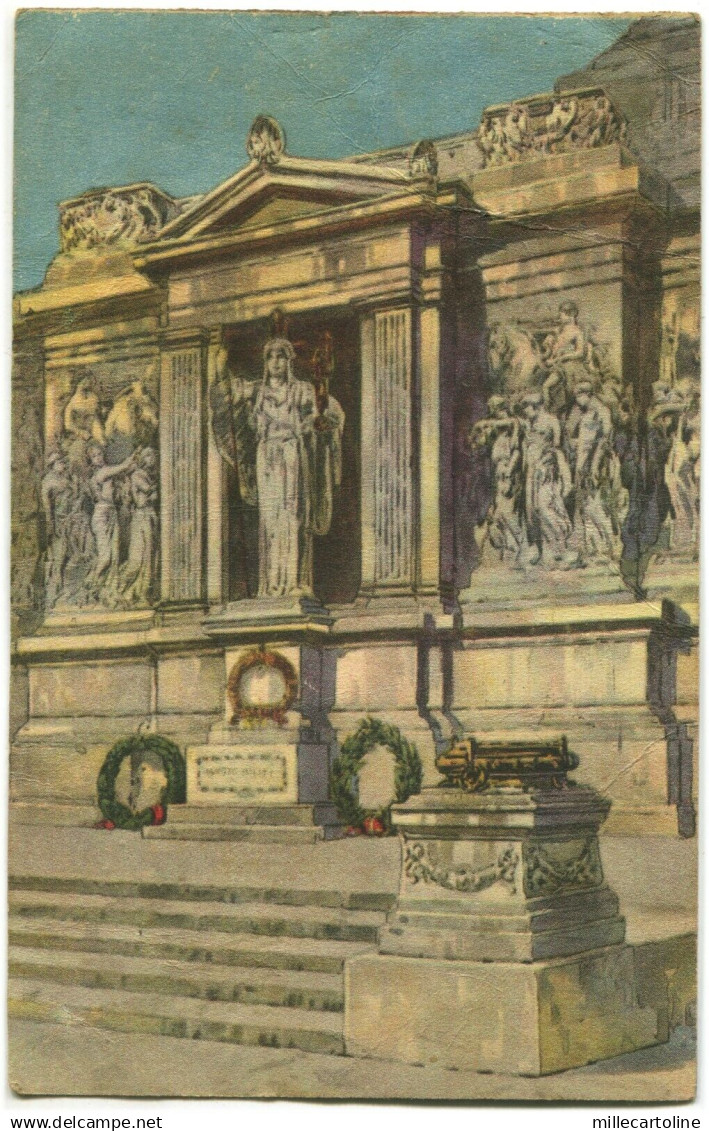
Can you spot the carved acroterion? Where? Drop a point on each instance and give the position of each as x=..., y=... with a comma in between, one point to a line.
x=266, y=141
x=114, y=216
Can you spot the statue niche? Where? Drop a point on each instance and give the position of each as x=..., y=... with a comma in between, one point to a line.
x=282, y=436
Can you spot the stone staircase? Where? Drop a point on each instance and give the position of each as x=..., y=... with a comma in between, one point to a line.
x=249, y=966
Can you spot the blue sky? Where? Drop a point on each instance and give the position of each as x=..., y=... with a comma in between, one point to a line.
x=107, y=98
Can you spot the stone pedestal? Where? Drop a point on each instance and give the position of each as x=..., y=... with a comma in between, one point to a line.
x=263, y=773
x=502, y=876
x=506, y=951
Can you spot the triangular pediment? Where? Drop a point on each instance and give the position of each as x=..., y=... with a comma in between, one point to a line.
x=262, y=195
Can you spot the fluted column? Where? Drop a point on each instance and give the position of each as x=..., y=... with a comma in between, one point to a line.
x=217, y=503
x=388, y=474
x=407, y=442
x=182, y=468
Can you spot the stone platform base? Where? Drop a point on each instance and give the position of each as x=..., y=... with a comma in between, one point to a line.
x=267, y=824
x=528, y=1019
x=54, y=814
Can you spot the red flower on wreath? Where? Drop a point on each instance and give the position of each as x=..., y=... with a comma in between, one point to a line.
x=159, y=814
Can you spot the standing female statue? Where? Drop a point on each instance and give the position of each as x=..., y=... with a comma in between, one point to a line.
x=288, y=460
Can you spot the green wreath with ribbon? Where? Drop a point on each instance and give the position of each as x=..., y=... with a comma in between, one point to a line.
x=116, y=815
x=344, y=776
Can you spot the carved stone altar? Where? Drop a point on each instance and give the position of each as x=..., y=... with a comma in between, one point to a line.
x=505, y=952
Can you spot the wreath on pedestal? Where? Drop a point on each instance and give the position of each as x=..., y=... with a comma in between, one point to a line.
x=252, y=714
x=344, y=776
x=116, y=815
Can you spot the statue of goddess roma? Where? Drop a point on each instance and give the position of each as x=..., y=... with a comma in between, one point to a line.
x=287, y=456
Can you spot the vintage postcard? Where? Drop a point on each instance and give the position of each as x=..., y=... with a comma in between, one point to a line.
x=355, y=540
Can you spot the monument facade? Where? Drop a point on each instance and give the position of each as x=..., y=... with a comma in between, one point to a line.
x=359, y=498
x=422, y=424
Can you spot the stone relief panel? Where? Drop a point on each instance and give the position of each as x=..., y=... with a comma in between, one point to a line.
x=561, y=865
x=112, y=217
x=674, y=419
x=548, y=124
x=99, y=495
x=554, y=420
x=422, y=866
x=26, y=469
x=573, y=469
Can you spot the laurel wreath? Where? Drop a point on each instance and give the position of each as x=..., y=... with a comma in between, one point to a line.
x=253, y=715
x=115, y=813
x=344, y=774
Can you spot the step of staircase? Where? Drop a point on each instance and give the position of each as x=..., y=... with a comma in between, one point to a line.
x=234, y=964
x=263, y=824
x=229, y=983
x=252, y=918
x=200, y=946
x=301, y=815
x=257, y=834
x=190, y=892
x=55, y=814
x=167, y=1016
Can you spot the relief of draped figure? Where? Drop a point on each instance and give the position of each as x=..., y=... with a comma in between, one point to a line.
x=99, y=497
x=551, y=430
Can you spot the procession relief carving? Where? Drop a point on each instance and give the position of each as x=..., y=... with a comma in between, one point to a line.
x=674, y=420
x=26, y=505
x=106, y=217
x=99, y=497
x=539, y=127
x=581, y=476
x=283, y=438
x=558, y=500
